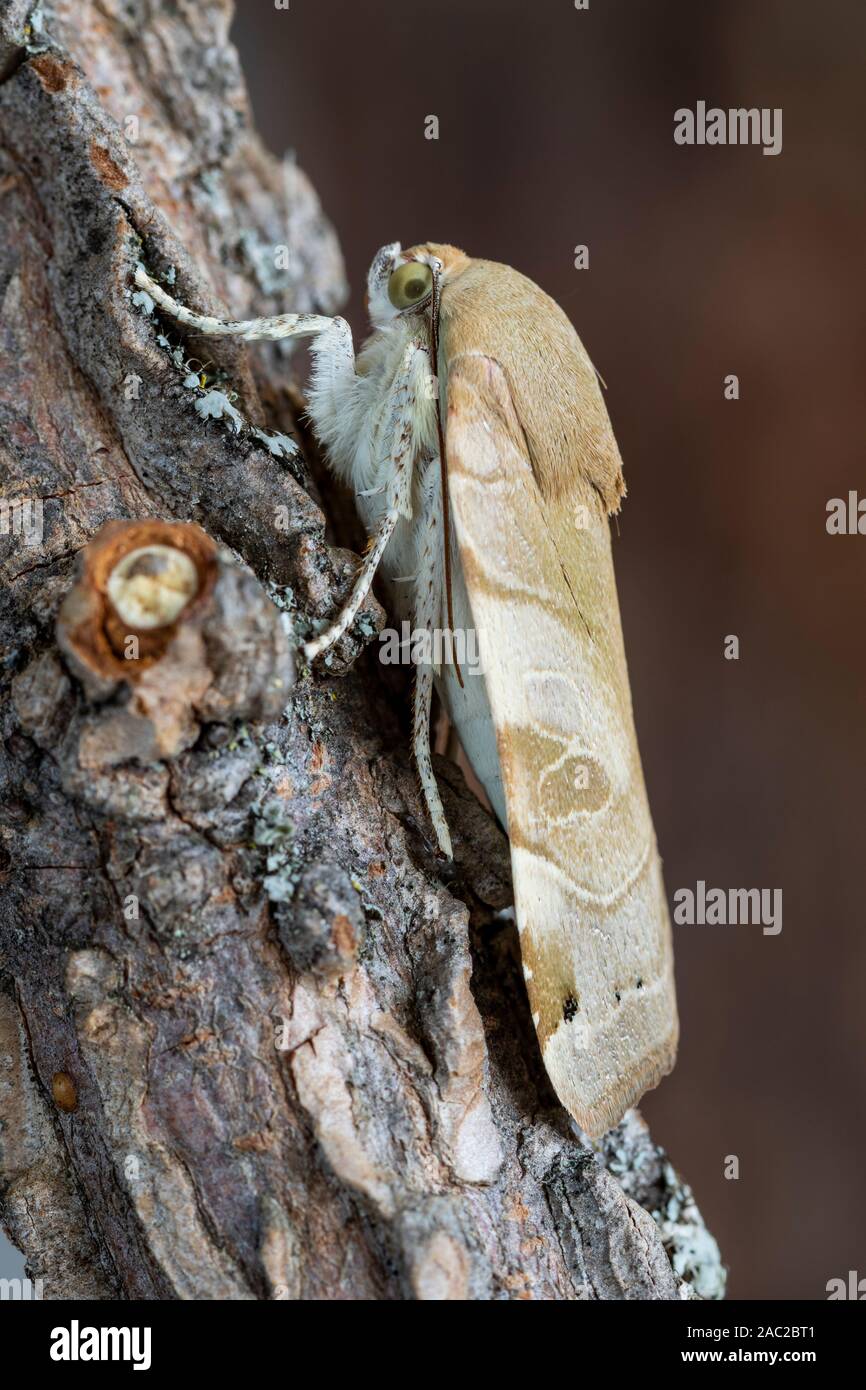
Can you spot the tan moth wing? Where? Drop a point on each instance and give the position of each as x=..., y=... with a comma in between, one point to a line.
x=590, y=904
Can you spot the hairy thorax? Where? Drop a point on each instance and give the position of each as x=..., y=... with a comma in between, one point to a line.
x=353, y=422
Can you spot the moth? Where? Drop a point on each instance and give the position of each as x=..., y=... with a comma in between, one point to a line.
x=473, y=432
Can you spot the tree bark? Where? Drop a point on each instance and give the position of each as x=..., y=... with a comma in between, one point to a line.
x=256, y=1041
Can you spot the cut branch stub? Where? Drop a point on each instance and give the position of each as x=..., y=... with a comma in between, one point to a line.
x=100, y=622
x=165, y=631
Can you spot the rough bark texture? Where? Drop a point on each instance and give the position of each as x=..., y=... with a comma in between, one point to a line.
x=255, y=1041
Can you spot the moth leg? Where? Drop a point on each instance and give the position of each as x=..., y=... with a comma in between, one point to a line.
x=401, y=435
x=360, y=590
x=332, y=374
x=428, y=589
x=282, y=326
x=421, y=751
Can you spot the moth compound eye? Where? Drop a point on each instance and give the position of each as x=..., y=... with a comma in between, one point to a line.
x=409, y=284
x=151, y=586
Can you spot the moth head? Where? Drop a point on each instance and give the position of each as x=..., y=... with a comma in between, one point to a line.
x=401, y=282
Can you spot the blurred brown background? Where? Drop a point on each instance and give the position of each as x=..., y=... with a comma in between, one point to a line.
x=556, y=128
